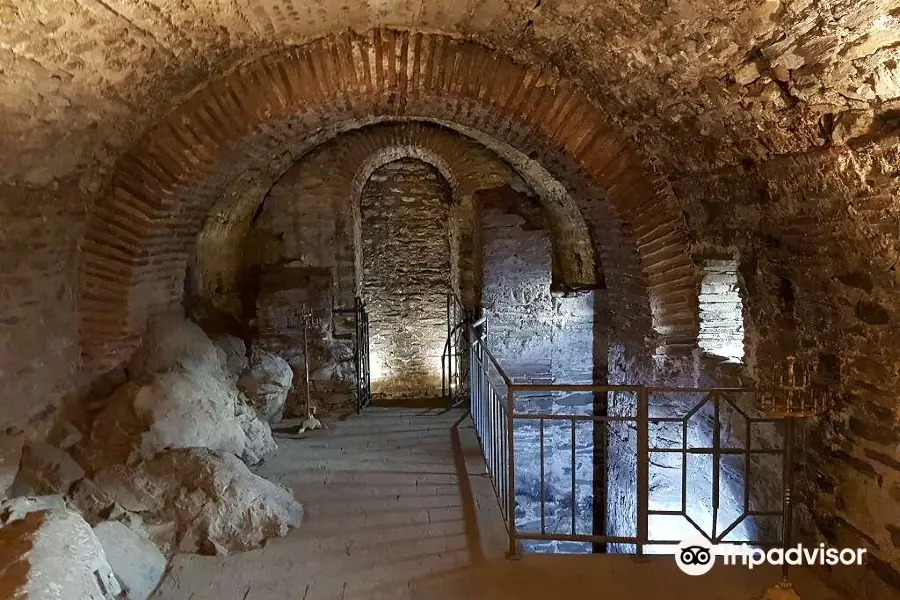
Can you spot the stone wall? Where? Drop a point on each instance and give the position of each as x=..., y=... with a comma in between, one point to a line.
x=299, y=245
x=39, y=353
x=819, y=243
x=406, y=276
x=539, y=337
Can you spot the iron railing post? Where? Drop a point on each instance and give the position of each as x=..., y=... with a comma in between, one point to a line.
x=788, y=507
x=511, y=468
x=643, y=467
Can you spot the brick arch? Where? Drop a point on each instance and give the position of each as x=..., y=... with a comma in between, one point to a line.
x=467, y=166
x=359, y=175
x=136, y=244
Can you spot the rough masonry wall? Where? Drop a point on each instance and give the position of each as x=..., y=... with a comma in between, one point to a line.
x=39, y=355
x=406, y=277
x=534, y=334
x=819, y=246
x=538, y=337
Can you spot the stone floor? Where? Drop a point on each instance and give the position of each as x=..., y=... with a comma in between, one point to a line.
x=398, y=508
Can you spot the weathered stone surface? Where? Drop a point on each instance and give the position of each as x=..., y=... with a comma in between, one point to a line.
x=235, y=354
x=13, y=509
x=259, y=443
x=177, y=409
x=46, y=469
x=406, y=276
x=266, y=384
x=211, y=501
x=137, y=563
x=54, y=554
x=172, y=342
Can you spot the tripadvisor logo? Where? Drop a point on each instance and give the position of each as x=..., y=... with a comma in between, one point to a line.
x=697, y=555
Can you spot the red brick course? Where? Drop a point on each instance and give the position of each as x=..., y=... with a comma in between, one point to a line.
x=138, y=238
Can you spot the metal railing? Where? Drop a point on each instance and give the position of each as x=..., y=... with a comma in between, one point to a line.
x=454, y=358
x=638, y=429
x=361, y=357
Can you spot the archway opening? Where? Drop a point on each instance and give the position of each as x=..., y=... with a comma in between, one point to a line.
x=405, y=278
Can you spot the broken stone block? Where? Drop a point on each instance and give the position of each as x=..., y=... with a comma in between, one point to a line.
x=54, y=554
x=46, y=469
x=188, y=410
x=218, y=504
x=235, y=355
x=131, y=489
x=137, y=563
x=13, y=509
x=93, y=503
x=171, y=342
x=195, y=500
x=161, y=534
x=747, y=73
x=169, y=410
x=64, y=435
x=851, y=124
x=260, y=444
x=267, y=383
x=114, y=432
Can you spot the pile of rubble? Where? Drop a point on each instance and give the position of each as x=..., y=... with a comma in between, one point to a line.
x=162, y=465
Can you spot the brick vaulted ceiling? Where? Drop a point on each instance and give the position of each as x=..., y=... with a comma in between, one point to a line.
x=701, y=83
x=136, y=245
x=626, y=94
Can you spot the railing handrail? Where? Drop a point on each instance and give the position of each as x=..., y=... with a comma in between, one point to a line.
x=494, y=415
x=477, y=339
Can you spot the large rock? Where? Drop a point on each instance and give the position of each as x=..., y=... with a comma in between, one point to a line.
x=54, y=554
x=45, y=469
x=266, y=383
x=217, y=505
x=178, y=409
x=188, y=410
x=137, y=562
x=171, y=342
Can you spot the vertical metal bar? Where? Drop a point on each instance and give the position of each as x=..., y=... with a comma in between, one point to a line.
x=511, y=481
x=643, y=467
x=747, y=446
x=501, y=447
x=543, y=500
x=717, y=462
x=358, y=356
x=573, y=476
x=788, y=508
x=684, y=465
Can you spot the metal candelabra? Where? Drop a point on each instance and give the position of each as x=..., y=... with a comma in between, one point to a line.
x=305, y=318
x=789, y=395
